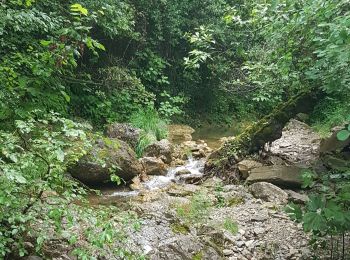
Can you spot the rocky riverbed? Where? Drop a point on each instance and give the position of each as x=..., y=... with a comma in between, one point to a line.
x=181, y=215
x=214, y=220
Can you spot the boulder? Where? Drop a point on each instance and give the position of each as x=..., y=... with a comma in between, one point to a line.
x=124, y=132
x=246, y=166
x=107, y=153
x=159, y=149
x=286, y=176
x=299, y=144
x=153, y=166
x=268, y=192
x=180, y=133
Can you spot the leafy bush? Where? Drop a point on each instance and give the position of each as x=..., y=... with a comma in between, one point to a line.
x=33, y=161
x=327, y=213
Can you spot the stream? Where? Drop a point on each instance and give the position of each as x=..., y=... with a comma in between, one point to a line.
x=193, y=168
x=113, y=194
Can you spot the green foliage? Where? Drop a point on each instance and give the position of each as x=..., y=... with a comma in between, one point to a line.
x=330, y=112
x=171, y=106
x=196, y=210
x=327, y=213
x=145, y=139
x=33, y=161
x=344, y=134
x=39, y=49
x=152, y=126
x=117, y=96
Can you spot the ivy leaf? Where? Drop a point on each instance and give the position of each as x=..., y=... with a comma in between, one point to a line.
x=343, y=135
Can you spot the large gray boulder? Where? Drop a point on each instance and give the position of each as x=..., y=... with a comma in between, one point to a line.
x=268, y=192
x=161, y=149
x=124, y=132
x=153, y=166
x=107, y=153
x=286, y=176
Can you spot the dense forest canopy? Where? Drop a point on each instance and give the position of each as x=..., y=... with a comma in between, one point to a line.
x=68, y=68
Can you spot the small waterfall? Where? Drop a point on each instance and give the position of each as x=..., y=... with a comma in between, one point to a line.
x=193, y=166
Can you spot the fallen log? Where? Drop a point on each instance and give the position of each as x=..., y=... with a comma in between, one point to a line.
x=222, y=162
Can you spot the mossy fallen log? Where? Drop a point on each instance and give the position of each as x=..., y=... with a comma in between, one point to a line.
x=222, y=162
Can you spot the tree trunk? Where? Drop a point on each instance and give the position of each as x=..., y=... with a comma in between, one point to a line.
x=222, y=162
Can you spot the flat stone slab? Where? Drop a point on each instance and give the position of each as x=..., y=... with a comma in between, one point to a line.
x=286, y=176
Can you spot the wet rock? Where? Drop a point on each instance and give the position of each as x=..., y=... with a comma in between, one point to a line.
x=299, y=144
x=94, y=168
x=246, y=166
x=182, y=172
x=125, y=132
x=153, y=166
x=190, y=178
x=289, y=176
x=269, y=192
x=178, y=162
x=160, y=148
x=297, y=197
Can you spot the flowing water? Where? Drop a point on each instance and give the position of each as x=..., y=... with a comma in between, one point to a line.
x=193, y=166
x=210, y=134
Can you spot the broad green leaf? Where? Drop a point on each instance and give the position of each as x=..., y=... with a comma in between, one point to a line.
x=313, y=221
x=316, y=203
x=343, y=135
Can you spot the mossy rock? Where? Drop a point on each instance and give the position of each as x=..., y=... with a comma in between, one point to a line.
x=107, y=156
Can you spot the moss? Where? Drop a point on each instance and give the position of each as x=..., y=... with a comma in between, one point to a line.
x=179, y=228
